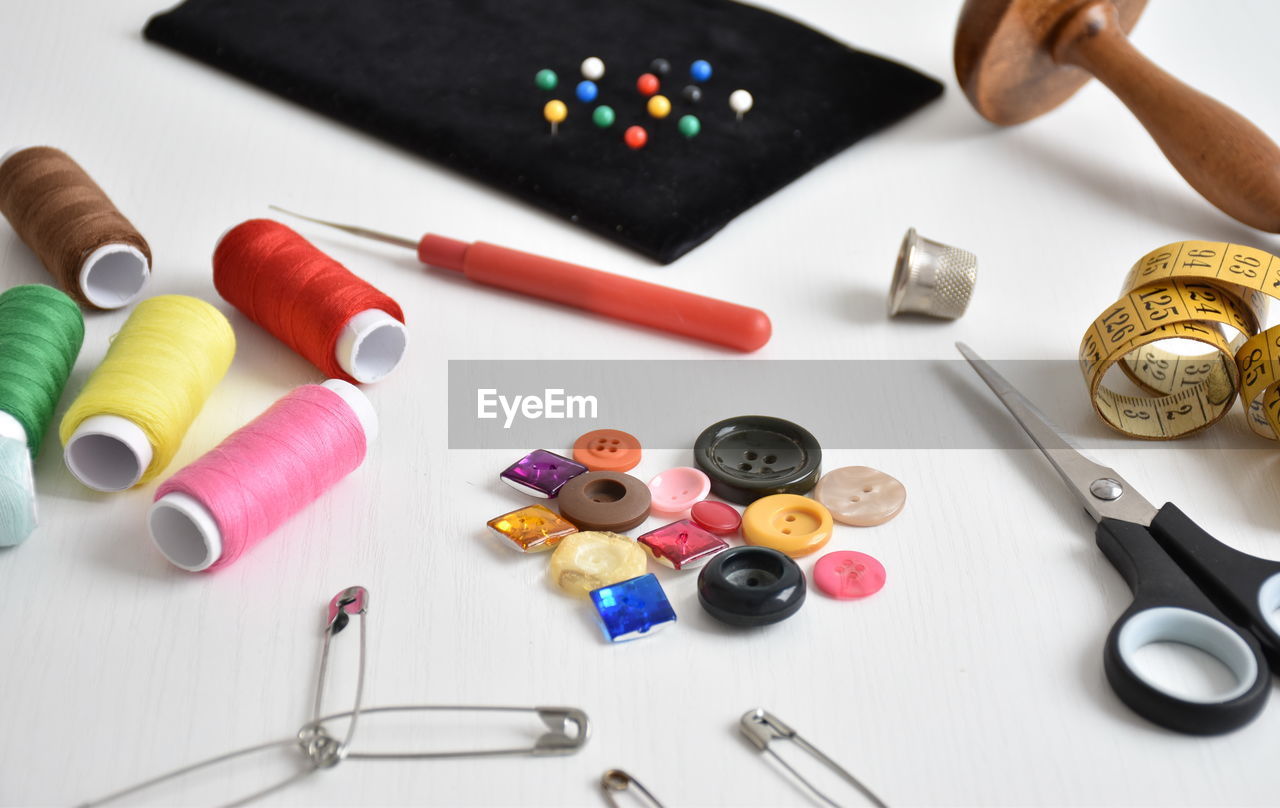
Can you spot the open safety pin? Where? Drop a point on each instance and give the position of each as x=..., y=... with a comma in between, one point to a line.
x=567, y=728
x=761, y=727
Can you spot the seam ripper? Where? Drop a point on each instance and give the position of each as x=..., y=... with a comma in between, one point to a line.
x=617, y=296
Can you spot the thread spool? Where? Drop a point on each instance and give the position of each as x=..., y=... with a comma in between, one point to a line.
x=128, y=422
x=97, y=256
x=209, y=513
x=41, y=331
x=310, y=302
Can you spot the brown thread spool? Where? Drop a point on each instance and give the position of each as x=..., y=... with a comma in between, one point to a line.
x=58, y=211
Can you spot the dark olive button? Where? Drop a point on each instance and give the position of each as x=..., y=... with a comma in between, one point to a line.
x=751, y=586
x=755, y=456
x=604, y=500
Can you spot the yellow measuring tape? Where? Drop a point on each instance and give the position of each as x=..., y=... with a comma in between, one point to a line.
x=1198, y=291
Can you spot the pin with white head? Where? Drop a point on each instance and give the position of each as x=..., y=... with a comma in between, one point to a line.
x=740, y=101
x=113, y=275
x=593, y=68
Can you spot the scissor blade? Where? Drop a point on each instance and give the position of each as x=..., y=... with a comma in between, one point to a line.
x=1102, y=492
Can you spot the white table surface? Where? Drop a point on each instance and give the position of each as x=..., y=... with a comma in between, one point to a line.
x=974, y=678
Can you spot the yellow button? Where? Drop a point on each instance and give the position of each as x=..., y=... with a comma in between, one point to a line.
x=789, y=523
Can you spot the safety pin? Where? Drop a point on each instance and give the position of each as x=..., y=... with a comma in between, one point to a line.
x=320, y=749
x=320, y=746
x=616, y=780
x=567, y=731
x=760, y=727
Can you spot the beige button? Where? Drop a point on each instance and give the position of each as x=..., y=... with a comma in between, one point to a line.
x=861, y=496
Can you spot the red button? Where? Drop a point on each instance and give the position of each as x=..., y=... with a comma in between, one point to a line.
x=716, y=517
x=846, y=575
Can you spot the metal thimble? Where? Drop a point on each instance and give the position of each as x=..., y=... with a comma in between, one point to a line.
x=932, y=278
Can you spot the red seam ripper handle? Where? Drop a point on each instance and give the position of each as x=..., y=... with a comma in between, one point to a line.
x=617, y=296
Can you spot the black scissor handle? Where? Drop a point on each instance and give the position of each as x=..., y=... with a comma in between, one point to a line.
x=1246, y=587
x=1168, y=607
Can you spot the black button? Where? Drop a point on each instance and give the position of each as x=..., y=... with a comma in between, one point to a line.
x=754, y=456
x=751, y=586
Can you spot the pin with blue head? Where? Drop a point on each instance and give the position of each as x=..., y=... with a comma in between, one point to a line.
x=17, y=484
x=632, y=609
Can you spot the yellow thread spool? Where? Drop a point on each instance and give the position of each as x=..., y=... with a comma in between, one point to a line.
x=129, y=420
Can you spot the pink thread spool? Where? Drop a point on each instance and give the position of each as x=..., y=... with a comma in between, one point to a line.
x=206, y=516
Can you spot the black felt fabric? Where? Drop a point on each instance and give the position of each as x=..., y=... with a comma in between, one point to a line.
x=453, y=81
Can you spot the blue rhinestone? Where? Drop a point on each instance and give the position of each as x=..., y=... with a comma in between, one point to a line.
x=632, y=609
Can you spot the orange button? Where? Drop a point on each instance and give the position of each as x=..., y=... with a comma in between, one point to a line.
x=607, y=450
x=790, y=523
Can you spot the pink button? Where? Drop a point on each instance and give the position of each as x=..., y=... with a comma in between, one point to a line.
x=676, y=490
x=847, y=575
x=719, y=518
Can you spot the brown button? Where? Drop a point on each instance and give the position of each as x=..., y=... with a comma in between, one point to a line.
x=861, y=496
x=604, y=500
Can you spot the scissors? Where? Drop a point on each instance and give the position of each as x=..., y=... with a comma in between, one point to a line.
x=1188, y=587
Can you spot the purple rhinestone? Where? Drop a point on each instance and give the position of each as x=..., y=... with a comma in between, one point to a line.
x=541, y=473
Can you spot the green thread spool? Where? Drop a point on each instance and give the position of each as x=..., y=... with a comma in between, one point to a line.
x=41, y=331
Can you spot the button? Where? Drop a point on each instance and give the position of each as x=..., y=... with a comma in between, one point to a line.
x=647, y=84
x=861, y=496
x=632, y=609
x=717, y=517
x=592, y=559
x=659, y=106
x=541, y=473
x=791, y=523
x=753, y=456
x=700, y=70
x=677, y=490
x=681, y=545
x=751, y=586
x=607, y=450
x=533, y=528
x=846, y=575
x=604, y=500
x=593, y=68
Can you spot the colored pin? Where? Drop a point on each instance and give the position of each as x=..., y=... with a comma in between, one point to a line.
x=692, y=93
x=689, y=126
x=635, y=137
x=555, y=111
x=660, y=67
x=700, y=70
x=659, y=106
x=593, y=68
x=546, y=79
x=740, y=101
x=587, y=91
x=647, y=84
x=603, y=116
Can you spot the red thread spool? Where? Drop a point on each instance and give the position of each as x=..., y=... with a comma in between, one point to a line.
x=310, y=302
